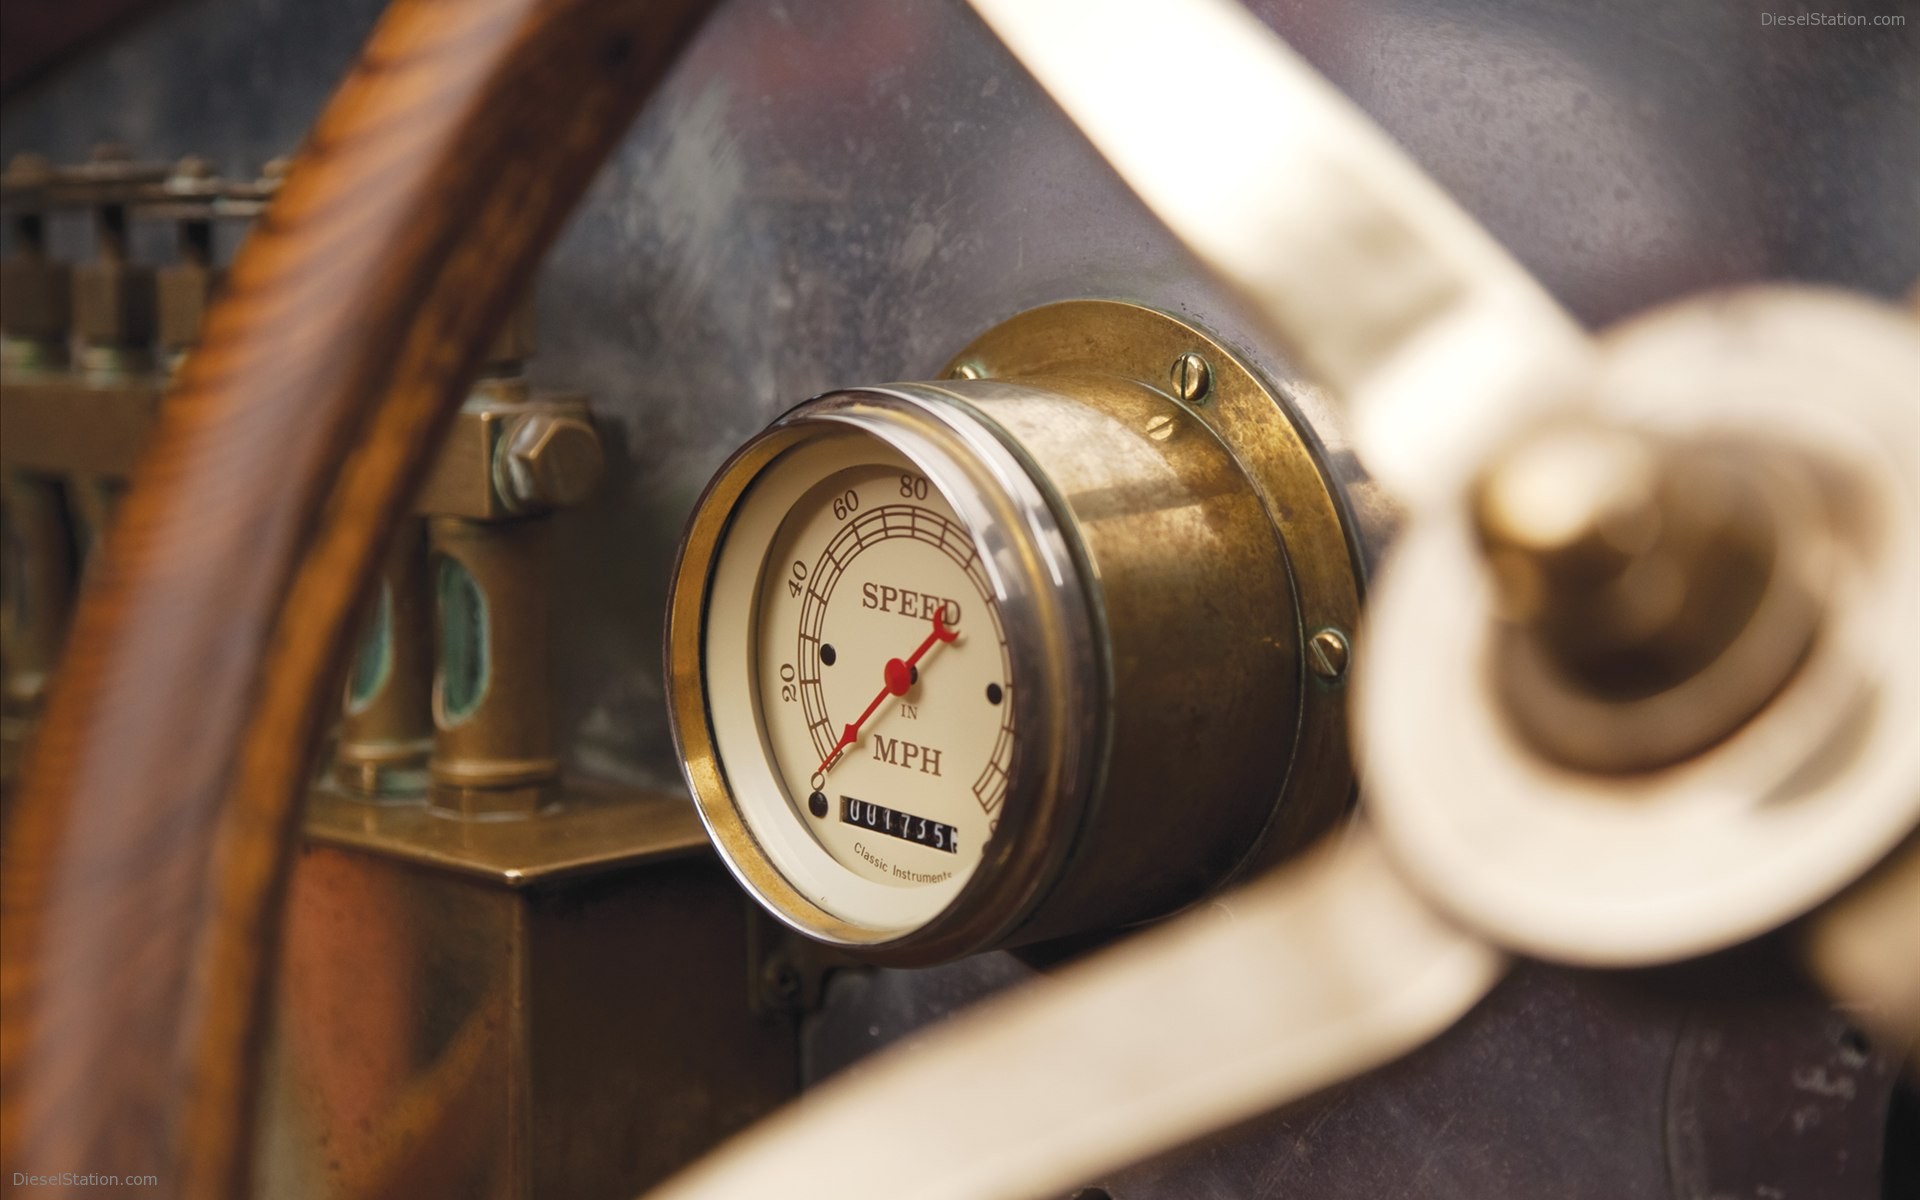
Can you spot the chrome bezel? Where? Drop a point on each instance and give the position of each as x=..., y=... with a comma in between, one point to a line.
x=1051, y=621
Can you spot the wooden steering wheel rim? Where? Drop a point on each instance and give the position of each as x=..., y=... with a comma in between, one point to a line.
x=146, y=862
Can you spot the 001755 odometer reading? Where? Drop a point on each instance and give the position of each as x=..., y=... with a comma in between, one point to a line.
x=883, y=674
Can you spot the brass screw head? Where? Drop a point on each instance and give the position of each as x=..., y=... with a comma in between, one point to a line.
x=1328, y=653
x=967, y=370
x=1192, y=378
x=549, y=461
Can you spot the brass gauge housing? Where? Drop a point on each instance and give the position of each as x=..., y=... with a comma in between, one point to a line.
x=1018, y=654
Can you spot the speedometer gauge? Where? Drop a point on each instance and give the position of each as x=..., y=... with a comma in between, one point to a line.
x=883, y=677
x=1018, y=654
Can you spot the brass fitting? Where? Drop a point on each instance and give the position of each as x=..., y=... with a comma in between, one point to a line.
x=511, y=453
x=113, y=303
x=549, y=460
x=186, y=291
x=508, y=458
x=113, y=298
x=38, y=589
x=186, y=287
x=35, y=290
x=493, y=747
x=386, y=730
x=36, y=296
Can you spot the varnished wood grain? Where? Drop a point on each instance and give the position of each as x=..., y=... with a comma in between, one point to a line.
x=142, y=875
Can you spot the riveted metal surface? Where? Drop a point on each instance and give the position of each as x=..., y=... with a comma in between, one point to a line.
x=1275, y=450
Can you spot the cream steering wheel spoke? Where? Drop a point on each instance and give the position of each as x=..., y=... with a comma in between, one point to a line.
x=1307, y=978
x=1386, y=289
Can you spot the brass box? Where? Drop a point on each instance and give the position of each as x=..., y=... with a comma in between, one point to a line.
x=449, y=1024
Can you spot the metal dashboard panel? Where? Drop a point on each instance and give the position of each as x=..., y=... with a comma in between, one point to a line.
x=829, y=195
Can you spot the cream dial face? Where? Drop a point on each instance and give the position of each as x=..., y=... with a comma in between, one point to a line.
x=880, y=680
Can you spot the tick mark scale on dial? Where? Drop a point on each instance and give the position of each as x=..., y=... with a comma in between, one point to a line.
x=899, y=677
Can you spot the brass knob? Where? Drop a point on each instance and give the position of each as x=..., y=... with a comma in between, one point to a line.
x=1636, y=575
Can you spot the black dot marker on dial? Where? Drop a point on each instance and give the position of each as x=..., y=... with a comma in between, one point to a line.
x=828, y=654
x=817, y=804
x=994, y=694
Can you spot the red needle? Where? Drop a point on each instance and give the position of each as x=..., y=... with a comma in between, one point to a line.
x=899, y=675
